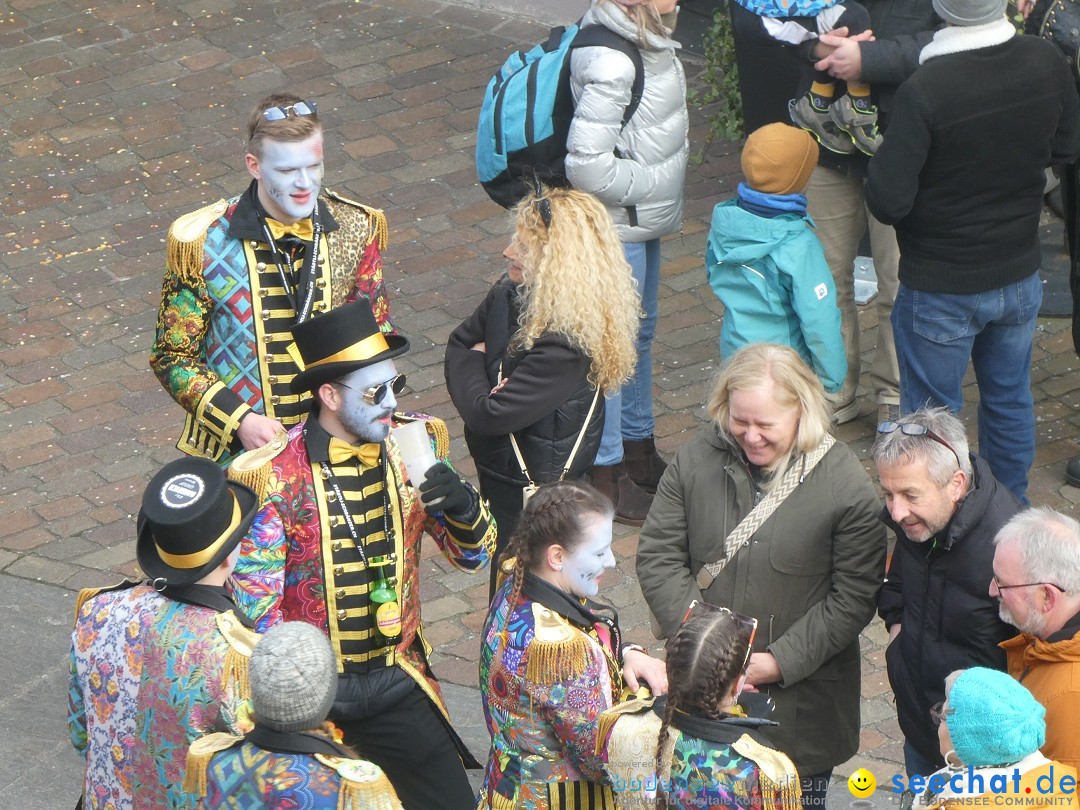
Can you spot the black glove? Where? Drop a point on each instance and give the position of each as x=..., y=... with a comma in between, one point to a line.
x=442, y=482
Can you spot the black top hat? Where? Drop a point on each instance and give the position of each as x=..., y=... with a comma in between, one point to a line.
x=192, y=518
x=342, y=340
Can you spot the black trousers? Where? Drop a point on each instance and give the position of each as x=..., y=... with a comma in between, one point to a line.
x=410, y=742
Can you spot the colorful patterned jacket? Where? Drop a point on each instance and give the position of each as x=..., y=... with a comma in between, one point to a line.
x=148, y=676
x=221, y=347
x=288, y=557
x=724, y=763
x=235, y=773
x=542, y=696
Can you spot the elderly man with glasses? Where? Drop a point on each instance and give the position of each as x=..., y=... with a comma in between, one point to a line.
x=241, y=272
x=1037, y=582
x=337, y=545
x=945, y=506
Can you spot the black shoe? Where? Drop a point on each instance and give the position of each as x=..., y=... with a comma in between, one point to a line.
x=630, y=501
x=1072, y=471
x=643, y=464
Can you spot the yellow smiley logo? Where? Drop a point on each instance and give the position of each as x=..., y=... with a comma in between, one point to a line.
x=862, y=783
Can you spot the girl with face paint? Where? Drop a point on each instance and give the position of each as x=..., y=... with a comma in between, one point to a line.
x=552, y=658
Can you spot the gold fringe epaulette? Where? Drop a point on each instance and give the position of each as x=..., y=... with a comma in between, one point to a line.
x=184, y=246
x=558, y=652
x=241, y=645
x=252, y=468
x=379, y=231
x=780, y=788
x=363, y=785
x=199, y=755
x=86, y=594
x=606, y=721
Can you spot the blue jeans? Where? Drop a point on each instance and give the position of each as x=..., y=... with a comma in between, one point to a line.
x=916, y=763
x=629, y=414
x=936, y=335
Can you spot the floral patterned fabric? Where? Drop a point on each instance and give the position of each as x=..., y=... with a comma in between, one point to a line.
x=709, y=774
x=540, y=732
x=146, y=679
x=245, y=777
x=289, y=583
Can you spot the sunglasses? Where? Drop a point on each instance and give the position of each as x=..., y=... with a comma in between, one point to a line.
x=298, y=109
x=938, y=712
x=377, y=393
x=747, y=623
x=914, y=429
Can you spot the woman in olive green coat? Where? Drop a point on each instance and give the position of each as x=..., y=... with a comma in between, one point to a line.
x=810, y=574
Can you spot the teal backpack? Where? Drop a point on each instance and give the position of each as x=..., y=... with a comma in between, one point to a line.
x=527, y=109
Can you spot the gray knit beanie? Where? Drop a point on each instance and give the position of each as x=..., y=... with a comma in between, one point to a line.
x=293, y=677
x=970, y=12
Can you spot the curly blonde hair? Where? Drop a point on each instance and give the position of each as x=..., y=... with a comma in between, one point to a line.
x=576, y=282
x=794, y=386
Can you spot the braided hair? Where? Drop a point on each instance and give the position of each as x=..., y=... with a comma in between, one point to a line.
x=705, y=657
x=555, y=515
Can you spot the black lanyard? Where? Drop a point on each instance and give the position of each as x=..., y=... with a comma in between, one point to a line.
x=328, y=474
x=302, y=312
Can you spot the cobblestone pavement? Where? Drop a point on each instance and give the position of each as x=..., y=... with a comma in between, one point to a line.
x=117, y=118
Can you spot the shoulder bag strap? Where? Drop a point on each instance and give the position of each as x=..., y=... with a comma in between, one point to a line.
x=759, y=514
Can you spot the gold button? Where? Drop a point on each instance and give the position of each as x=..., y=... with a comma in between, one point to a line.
x=209, y=407
x=260, y=265
x=320, y=282
x=338, y=571
x=263, y=292
x=336, y=545
x=269, y=358
x=331, y=496
x=273, y=380
x=274, y=400
x=341, y=615
x=333, y=520
x=254, y=243
x=267, y=338
x=340, y=593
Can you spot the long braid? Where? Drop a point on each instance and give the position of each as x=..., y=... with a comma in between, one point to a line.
x=704, y=660
x=555, y=514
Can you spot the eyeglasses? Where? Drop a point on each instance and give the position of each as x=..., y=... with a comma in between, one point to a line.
x=914, y=429
x=938, y=712
x=1000, y=587
x=748, y=624
x=298, y=109
x=377, y=393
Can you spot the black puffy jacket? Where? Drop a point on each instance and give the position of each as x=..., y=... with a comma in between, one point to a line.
x=939, y=593
x=544, y=402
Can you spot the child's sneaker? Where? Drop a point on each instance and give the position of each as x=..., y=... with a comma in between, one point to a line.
x=805, y=112
x=858, y=118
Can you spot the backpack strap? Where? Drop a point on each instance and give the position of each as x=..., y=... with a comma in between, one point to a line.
x=596, y=35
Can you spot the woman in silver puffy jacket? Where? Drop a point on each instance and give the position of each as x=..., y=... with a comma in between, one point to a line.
x=637, y=171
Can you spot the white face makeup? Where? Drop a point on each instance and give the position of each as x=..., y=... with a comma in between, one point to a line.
x=290, y=175
x=368, y=423
x=583, y=566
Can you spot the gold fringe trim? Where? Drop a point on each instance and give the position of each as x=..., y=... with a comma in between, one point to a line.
x=363, y=786
x=558, y=651
x=780, y=789
x=187, y=235
x=199, y=755
x=235, y=673
x=606, y=721
x=252, y=468
x=378, y=230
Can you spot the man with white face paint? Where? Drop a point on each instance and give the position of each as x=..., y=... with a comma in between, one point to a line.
x=945, y=506
x=242, y=272
x=337, y=545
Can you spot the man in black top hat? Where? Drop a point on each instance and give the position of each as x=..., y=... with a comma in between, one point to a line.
x=337, y=490
x=156, y=665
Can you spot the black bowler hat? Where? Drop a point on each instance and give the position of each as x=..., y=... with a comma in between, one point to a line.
x=192, y=518
x=342, y=340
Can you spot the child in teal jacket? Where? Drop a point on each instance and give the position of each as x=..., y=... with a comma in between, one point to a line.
x=765, y=263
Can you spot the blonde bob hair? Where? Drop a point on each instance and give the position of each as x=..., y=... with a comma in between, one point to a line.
x=793, y=386
x=576, y=282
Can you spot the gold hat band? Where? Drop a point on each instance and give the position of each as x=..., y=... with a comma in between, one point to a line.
x=197, y=558
x=364, y=350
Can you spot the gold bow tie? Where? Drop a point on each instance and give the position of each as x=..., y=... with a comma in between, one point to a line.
x=302, y=229
x=366, y=454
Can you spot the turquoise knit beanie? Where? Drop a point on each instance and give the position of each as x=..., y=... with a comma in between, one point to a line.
x=994, y=720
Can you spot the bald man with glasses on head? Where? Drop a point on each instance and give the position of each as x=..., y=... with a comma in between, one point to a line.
x=1037, y=582
x=945, y=507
